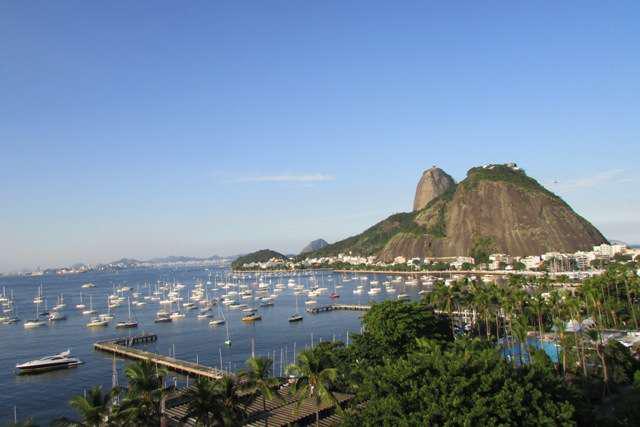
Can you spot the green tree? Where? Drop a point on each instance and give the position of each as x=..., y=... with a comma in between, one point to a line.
x=94, y=407
x=466, y=383
x=313, y=381
x=483, y=246
x=258, y=378
x=141, y=405
x=204, y=403
x=391, y=329
x=231, y=404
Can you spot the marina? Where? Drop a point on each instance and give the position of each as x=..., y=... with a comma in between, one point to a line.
x=204, y=340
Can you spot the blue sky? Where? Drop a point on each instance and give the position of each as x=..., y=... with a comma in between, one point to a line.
x=145, y=129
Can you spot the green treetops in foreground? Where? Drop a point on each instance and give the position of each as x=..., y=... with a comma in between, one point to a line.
x=406, y=368
x=467, y=383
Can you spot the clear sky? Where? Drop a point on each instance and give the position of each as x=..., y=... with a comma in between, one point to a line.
x=151, y=128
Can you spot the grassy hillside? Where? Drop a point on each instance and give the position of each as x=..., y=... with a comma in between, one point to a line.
x=372, y=240
x=262, y=255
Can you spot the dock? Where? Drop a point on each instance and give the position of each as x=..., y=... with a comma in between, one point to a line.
x=285, y=409
x=333, y=307
x=123, y=347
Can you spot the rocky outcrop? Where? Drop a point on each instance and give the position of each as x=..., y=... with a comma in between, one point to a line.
x=314, y=246
x=433, y=183
x=498, y=204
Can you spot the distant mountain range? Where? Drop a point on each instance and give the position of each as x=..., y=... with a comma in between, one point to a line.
x=171, y=260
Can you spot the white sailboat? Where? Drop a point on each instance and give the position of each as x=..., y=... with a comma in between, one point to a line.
x=130, y=322
x=81, y=306
x=296, y=317
x=35, y=322
x=91, y=310
x=220, y=320
x=228, y=340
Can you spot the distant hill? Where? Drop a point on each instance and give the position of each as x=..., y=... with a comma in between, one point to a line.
x=262, y=255
x=314, y=246
x=495, y=209
x=170, y=259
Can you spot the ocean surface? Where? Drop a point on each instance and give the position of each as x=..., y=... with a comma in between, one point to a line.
x=45, y=396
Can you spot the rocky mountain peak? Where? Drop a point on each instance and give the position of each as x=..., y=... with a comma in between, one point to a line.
x=433, y=183
x=314, y=246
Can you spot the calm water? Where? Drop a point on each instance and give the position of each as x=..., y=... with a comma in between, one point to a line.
x=45, y=396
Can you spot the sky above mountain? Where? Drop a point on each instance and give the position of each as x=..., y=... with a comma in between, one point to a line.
x=144, y=129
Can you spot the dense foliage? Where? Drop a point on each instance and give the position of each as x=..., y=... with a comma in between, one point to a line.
x=426, y=363
x=466, y=383
x=374, y=239
x=262, y=255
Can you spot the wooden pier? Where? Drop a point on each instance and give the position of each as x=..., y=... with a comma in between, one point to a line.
x=122, y=347
x=333, y=307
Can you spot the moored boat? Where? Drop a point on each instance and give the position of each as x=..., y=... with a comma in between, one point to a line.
x=63, y=360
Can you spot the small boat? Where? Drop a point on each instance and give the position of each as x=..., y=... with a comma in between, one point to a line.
x=34, y=323
x=63, y=360
x=130, y=322
x=11, y=320
x=252, y=317
x=97, y=322
x=127, y=324
x=55, y=316
x=217, y=322
x=227, y=342
x=334, y=295
x=295, y=317
x=177, y=315
x=91, y=310
x=163, y=318
x=249, y=310
x=88, y=285
x=311, y=302
x=205, y=314
x=403, y=296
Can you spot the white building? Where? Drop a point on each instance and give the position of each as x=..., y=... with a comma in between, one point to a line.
x=605, y=250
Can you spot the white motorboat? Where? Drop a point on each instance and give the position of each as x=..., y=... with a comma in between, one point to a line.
x=63, y=360
x=56, y=315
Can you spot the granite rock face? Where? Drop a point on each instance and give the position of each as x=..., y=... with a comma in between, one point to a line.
x=498, y=204
x=314, y=246
x=433, y=183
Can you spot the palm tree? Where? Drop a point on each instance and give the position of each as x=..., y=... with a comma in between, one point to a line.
x=257, y=378
x=313, y=381
x=141, y=405
x=231, y=405
x=520, y=329
x=596, y=336
x=560, y=328
x=94, y=407
x=203, y=401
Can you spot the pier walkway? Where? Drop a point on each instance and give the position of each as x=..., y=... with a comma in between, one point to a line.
x=122, y=347
x=332, y=307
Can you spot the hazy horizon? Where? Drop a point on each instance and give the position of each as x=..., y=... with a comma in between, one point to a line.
x=144, y=130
